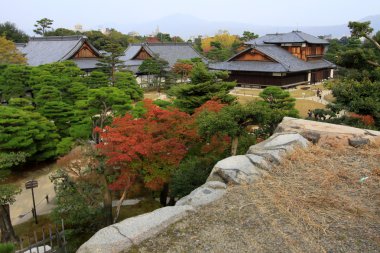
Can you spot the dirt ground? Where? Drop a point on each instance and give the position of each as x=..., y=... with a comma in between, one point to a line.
x=319, y=200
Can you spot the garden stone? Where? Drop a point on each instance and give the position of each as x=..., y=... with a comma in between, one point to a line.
x=358, y=141
x=259, y=161
x=121, y=236
x=203, y=195
x=271, y=155
x=236, y=170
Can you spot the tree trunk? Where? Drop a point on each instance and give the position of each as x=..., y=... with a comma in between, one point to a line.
x=234, y=145
x=6, y=228
x=373, y=41
x=119, y=204
x=107, y=202
x=171, y=201
x=164, y=195
x=113, y=75
x=373, y=63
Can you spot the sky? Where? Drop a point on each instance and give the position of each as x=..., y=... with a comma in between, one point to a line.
x=95, y=14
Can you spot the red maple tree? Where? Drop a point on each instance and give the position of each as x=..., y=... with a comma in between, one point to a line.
x=151, y=146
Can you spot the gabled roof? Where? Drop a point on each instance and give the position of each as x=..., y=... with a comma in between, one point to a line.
x=291, y=37
x=171, y=52
x=269, y=67
x=43, y=50
x=284, y=61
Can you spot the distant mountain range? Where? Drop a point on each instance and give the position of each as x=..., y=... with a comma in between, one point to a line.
x=187, y=26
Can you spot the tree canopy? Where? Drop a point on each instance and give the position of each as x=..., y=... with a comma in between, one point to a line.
x=205, y=85
x=12, y=33
x=42, y=26
x=9, y=53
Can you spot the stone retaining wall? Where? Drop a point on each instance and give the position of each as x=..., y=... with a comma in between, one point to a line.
x=234, y=170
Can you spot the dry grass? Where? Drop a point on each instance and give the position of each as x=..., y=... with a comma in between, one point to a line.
x=303, y=105
x=316, y=201
x=326, y=193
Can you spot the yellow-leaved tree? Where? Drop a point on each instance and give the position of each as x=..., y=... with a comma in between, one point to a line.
x=9, y=53
x=225, y=39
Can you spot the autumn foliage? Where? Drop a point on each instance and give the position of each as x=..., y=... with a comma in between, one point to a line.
x=183, y=69
x=367, y=120
x=151, y=146
x=223, y=37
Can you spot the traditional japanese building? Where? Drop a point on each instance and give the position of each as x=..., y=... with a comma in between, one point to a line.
x=286, y=60
x=135, y=54
x=43, y=50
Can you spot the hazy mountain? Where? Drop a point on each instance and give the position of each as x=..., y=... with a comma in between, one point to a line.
x=187, y=26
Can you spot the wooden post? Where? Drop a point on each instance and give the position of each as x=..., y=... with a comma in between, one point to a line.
x=50, y=237
x=64, y=237
x=35, y=239
x=58, y=237
x=43, y=237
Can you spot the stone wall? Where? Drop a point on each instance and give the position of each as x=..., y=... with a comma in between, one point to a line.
x=234, y=170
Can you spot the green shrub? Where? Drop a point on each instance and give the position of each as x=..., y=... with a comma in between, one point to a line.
x=7, y=248
x=162, y=103
x=64, y=146
x=192, y=173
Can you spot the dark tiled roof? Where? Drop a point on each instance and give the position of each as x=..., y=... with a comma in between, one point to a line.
x=284, y=61
x=43, y=50
x=292, y=37
x=89, y=63
x=257, y=66
x=171, y=52
x=252, y=66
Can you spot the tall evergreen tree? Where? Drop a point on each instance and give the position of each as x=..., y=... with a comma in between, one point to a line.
x=42, y=25
x=111, y=62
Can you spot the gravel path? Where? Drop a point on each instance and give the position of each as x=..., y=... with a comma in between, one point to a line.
x=21, y=209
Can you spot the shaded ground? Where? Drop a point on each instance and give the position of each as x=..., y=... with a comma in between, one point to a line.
x=319, y=200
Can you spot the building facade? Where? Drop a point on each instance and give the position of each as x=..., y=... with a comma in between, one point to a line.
x=286, y=60
x=135, y=54
x=44, y=50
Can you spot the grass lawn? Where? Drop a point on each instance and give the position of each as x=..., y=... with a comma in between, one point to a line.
x=246, y=99
x=330, y=98
x=296, y=93
x=303, y=105
x=302, y=93
x=252, y=92
x=320, y=86
x=152, y=95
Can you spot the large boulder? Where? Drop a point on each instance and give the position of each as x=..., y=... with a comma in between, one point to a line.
x=329, y=134
x=236, y=170
x=121, y=236
x=278, y=146
x=203, y=195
